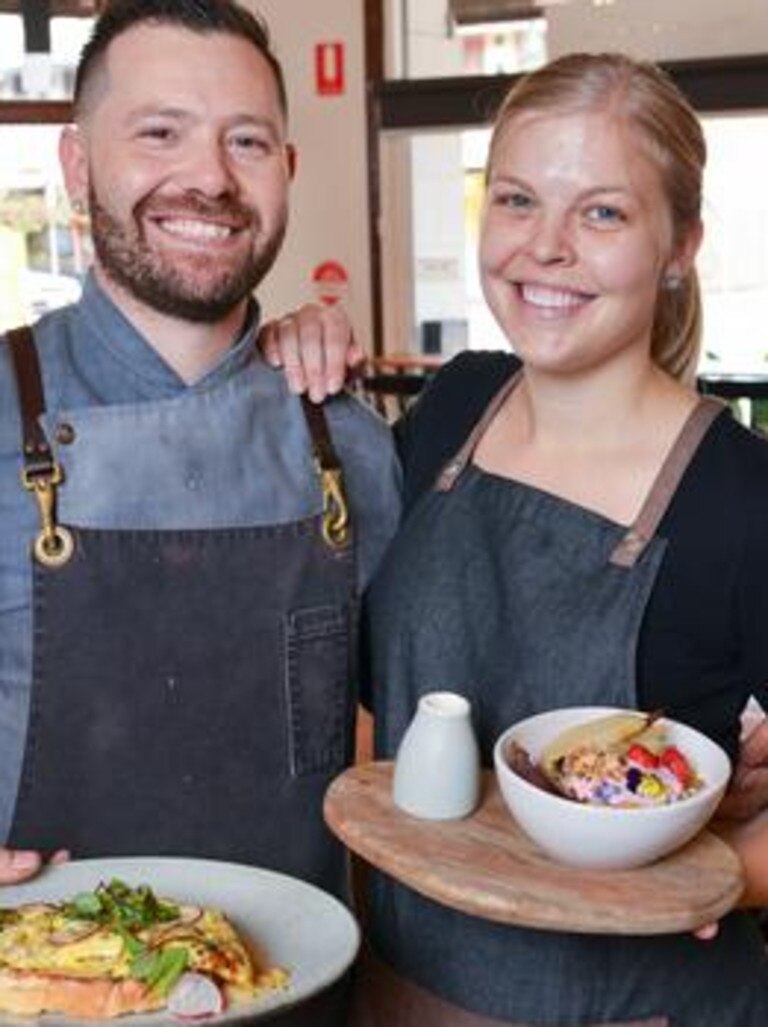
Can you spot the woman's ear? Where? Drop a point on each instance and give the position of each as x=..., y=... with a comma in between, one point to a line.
x=73, y=156
x=685, y=253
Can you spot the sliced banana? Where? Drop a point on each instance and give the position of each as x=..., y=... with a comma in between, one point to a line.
x=612, y=732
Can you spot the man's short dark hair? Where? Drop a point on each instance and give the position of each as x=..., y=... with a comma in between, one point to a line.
x=203, y=16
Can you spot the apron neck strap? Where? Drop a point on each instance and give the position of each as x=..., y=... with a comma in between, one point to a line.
x=41, y=474
x=38, y=457
x=631, y=546
x=336, y=523
x=451, y=471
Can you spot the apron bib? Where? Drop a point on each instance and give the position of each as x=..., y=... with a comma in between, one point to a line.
x=191, y=689
x=522, y=602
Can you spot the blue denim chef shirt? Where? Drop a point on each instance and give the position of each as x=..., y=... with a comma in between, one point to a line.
x=153, y=452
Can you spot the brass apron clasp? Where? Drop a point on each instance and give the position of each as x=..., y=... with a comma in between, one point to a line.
x=335, y=526
x=53, y=545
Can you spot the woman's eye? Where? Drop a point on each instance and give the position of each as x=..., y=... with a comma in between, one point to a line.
x=604, y=214
x=513, y=200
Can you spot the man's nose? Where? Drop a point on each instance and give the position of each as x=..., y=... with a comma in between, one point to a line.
x=207, y=170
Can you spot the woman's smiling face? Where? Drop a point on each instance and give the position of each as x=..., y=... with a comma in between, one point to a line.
x=576, y=238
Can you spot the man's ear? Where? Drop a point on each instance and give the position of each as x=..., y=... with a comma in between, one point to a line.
x=292, y=158
x=73, y=156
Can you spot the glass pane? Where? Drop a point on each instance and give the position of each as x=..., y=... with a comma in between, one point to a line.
x=734, y=258
x=40, y=76
x=502, y=48
x=44, y=248
x=432, y=46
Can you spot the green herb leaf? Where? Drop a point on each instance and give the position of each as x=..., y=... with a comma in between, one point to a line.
x=159, y=969
x=145, y=965
x=133, y=946
x=175, y=962
x=117, y=903
x=84, y=906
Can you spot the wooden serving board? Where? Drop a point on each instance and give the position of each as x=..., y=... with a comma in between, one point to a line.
x=486, y=866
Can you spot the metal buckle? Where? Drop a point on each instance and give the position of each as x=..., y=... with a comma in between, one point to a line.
x=335, y=511
x=54, y=544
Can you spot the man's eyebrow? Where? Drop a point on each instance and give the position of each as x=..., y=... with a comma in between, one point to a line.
x=155, y=111
x=254, y=121
x=237, y=120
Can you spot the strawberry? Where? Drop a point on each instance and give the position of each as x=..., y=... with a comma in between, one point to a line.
x=641, y=756
x=673, y=760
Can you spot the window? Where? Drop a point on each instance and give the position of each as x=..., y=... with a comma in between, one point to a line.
x=44, y=248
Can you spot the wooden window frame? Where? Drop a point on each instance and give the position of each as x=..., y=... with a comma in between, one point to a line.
x=59, y=8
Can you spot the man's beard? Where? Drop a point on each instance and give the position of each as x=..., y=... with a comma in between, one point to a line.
x=151, y=277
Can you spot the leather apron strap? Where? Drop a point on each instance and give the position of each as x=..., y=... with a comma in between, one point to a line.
x=450, y=473
x=335, y=507
x=42, y=473
x=628, y=551
x=36, y=450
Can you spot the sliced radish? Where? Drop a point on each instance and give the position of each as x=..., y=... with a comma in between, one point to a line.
x=195, y=997
x=188, y=914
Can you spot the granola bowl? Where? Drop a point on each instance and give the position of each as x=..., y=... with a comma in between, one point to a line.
x=603, y=836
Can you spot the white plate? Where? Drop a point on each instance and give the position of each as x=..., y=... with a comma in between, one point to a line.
x=298, y=926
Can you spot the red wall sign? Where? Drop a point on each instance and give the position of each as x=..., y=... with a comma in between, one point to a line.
x=330, y=280
x=329, y=69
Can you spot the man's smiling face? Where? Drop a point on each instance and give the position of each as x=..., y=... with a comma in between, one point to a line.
x=181, y=152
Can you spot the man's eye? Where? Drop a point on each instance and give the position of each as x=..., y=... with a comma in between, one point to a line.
x=161, y=133
x=251, y=146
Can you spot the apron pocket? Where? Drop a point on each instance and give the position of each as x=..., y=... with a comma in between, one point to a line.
x=320, y=697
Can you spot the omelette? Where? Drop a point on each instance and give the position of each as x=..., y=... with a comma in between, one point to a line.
x=121, y=950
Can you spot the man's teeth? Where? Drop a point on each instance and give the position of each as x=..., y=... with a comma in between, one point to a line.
x=541, y=296
x=196, y=229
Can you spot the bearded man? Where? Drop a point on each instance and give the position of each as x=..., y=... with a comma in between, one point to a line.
x=182, y=540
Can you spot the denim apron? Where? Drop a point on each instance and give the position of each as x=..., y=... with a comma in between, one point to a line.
x=523, y=602
x=192, y=689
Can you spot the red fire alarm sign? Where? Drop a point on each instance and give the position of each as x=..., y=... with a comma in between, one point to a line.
x=330, y=280
x=329, y=69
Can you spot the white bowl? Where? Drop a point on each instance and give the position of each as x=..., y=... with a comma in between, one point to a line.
x=599, y=837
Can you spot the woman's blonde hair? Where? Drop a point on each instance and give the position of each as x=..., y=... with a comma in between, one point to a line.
x=654, y=107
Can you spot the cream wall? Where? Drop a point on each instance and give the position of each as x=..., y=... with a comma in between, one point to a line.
x=329, y=203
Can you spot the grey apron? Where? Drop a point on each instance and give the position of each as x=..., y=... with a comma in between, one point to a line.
x=523, y=601
x=192, y=690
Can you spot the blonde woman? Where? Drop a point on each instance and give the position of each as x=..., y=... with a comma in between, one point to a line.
x=580, y=528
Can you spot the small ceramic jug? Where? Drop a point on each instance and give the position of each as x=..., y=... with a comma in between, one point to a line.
x=437, y=768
